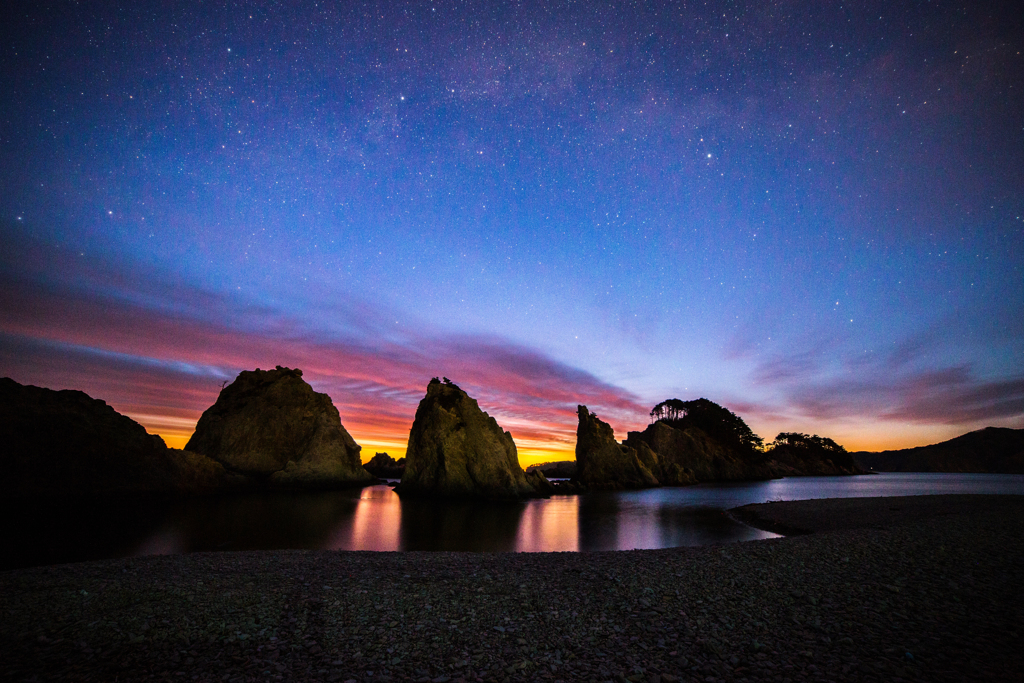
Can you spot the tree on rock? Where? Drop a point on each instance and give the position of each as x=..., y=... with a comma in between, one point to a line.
x=718, y=422
x=812, y=454
x=805, y=442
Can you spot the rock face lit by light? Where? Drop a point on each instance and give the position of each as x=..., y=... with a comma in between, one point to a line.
x=457, y=450
x=270, y=424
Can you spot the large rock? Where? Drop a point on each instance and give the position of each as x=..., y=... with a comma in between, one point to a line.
x=65, y=443
x=687, y=456
x=603, y=463
x=457, y=450
x=270, y=426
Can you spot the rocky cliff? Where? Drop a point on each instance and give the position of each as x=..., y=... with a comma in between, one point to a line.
x=65, y=443
x=603, y=463
x=993, y=449
x=661, y=455
x=270, y=426
x=457, y=450
x=697, y=441
x=690, y=455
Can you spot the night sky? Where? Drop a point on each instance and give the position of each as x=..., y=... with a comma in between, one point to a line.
x=809, y=212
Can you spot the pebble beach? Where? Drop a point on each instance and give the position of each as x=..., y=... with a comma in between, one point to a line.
x=924, y=588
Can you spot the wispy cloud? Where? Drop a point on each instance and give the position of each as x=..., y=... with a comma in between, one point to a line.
x=144, y=348
x=909, y=383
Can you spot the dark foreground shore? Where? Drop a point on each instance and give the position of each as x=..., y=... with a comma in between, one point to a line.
x=927, y=588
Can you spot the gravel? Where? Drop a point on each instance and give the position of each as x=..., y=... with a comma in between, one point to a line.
x=929, y=596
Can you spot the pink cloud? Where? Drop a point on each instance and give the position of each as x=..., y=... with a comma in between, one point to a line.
x=163, y=361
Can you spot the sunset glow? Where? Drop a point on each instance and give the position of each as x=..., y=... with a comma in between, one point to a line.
x=816, y=220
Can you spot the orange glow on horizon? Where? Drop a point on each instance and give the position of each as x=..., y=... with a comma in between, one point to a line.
x=541, y=437
x=532, y=446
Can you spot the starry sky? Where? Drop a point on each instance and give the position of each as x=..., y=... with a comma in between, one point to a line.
x=811, y=213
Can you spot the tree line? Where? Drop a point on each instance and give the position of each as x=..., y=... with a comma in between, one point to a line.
x=727, y=426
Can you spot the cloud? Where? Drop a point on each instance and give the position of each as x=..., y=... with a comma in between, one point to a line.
x=915, y=382
x=952, y=396
x=161, y=351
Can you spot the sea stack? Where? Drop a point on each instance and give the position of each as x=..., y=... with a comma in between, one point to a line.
x=272, y=427
x=603, y=463
x=457, y=450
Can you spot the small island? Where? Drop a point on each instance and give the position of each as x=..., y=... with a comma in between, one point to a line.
x=689, y=442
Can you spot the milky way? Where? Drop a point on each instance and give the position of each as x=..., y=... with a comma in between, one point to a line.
x=812, y=213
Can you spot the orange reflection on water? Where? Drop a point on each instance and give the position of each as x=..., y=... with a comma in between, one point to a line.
x=374, y=524
x=638, y=529
x=550, y=525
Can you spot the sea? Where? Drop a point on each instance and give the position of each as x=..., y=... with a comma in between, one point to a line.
x=376, y=519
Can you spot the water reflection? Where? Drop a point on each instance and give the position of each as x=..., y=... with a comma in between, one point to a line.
x=374, y=524
x=458, y=525
x=656, y=518
x=262, y=522
x=375, y=518
x=550, y=525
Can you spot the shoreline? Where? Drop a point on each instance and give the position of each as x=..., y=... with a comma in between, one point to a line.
x=887, y=594
x=819, y=515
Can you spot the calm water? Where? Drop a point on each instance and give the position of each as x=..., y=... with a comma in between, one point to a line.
x=375, y=518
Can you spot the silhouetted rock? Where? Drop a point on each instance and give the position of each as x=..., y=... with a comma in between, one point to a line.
x=993, y=449
x=540, y=483
x=457, y=450
x=271, y=426
x=384, y=466
x=560, y=469
x=697, y=441
x=687, y=456
x=65, y=443
x=603, y=463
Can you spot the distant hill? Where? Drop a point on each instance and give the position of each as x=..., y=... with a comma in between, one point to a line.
x=993, y=449
x=559, y=469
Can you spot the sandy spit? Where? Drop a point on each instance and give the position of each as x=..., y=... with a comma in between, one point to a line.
x=920, y=589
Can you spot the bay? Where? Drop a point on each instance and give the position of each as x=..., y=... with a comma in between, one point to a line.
x=376, y=519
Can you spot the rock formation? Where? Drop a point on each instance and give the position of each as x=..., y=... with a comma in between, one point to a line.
x=384, y=466
x=65, y=443
x=561, y=469
x=457, y=450
x=603, y=463
x=270, y=426
x=688, y=456
x=692, y=442
x=993, y=449
x=795, y=454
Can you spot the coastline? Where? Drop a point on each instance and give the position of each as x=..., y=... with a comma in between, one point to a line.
x=818, y=515
x=926, y=591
